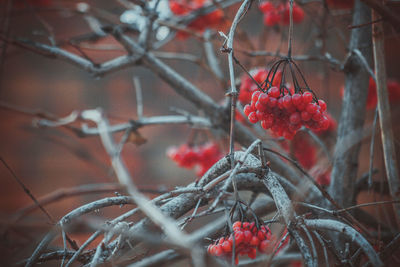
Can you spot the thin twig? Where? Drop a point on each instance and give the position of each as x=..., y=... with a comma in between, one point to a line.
x=26, y=190
x=290, y=35
x=233, y=93
x=322, y=243
x=371, y=149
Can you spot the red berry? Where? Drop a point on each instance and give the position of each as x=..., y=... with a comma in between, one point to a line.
x=226, y=246
x=272, y=102
x=274, y=92
x=295, y=118
x=297, y=99
x=260, y=115
x=263, y=99
x=271, y=18
x=260, y=76
x=218, y=250
x=237, y=225
x=266, y=124
x=252, y=253
x=261, y=235
x=325, y=123
x=253, y=105
x=238, y=237
x=305, y=116
x=261, y=107
x=247, y=236
x=255, y=96
x=307, y=97
x=311, y=108
x=287, y=101
x=322, y=104
x=298, y=14
x=288, y=135
x=317, y=116
x=178, y=9
x=280, y=103
x=254, y=241
x=253, y=117
x=247, y=110
x=266, y=6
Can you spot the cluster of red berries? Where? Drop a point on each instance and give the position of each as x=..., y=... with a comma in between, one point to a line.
x=284, y=114
x=305, y=154
x=200, y=157
x=304, y=151
x=248, y=86
x=248, y=238
x=280, y=14
x=393, y=88
x=184, y=7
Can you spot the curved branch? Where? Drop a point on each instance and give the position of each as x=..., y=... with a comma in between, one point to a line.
x=106, y=202
x=285, y=208
x=351, y=233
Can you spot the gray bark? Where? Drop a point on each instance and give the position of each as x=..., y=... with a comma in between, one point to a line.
x=345, y=167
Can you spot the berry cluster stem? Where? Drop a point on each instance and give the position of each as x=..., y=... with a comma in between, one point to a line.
x=290, y=29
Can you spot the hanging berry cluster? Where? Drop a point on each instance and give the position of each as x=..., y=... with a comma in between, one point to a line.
x=199, y=157
x=248, y=239
x=285, y=110
x=393, y=88
x=184, y=7
x=275, y=14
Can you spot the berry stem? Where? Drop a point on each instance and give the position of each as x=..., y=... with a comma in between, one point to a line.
x=290, y=29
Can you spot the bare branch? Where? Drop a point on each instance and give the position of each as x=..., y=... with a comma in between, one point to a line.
x=389, y=151
x=353, y=111
x=169, y=225
x=353, y=235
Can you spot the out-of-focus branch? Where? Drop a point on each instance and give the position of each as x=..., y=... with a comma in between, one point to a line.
x=167, y=224
x=107, y=67
x=68, y=192
x=195, y=121
x=212, y=58
x=385, y=12
x=112, y=201
x=352, y=118
x=389, y=151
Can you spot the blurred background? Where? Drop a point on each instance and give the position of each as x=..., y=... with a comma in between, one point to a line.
x=50, y=159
